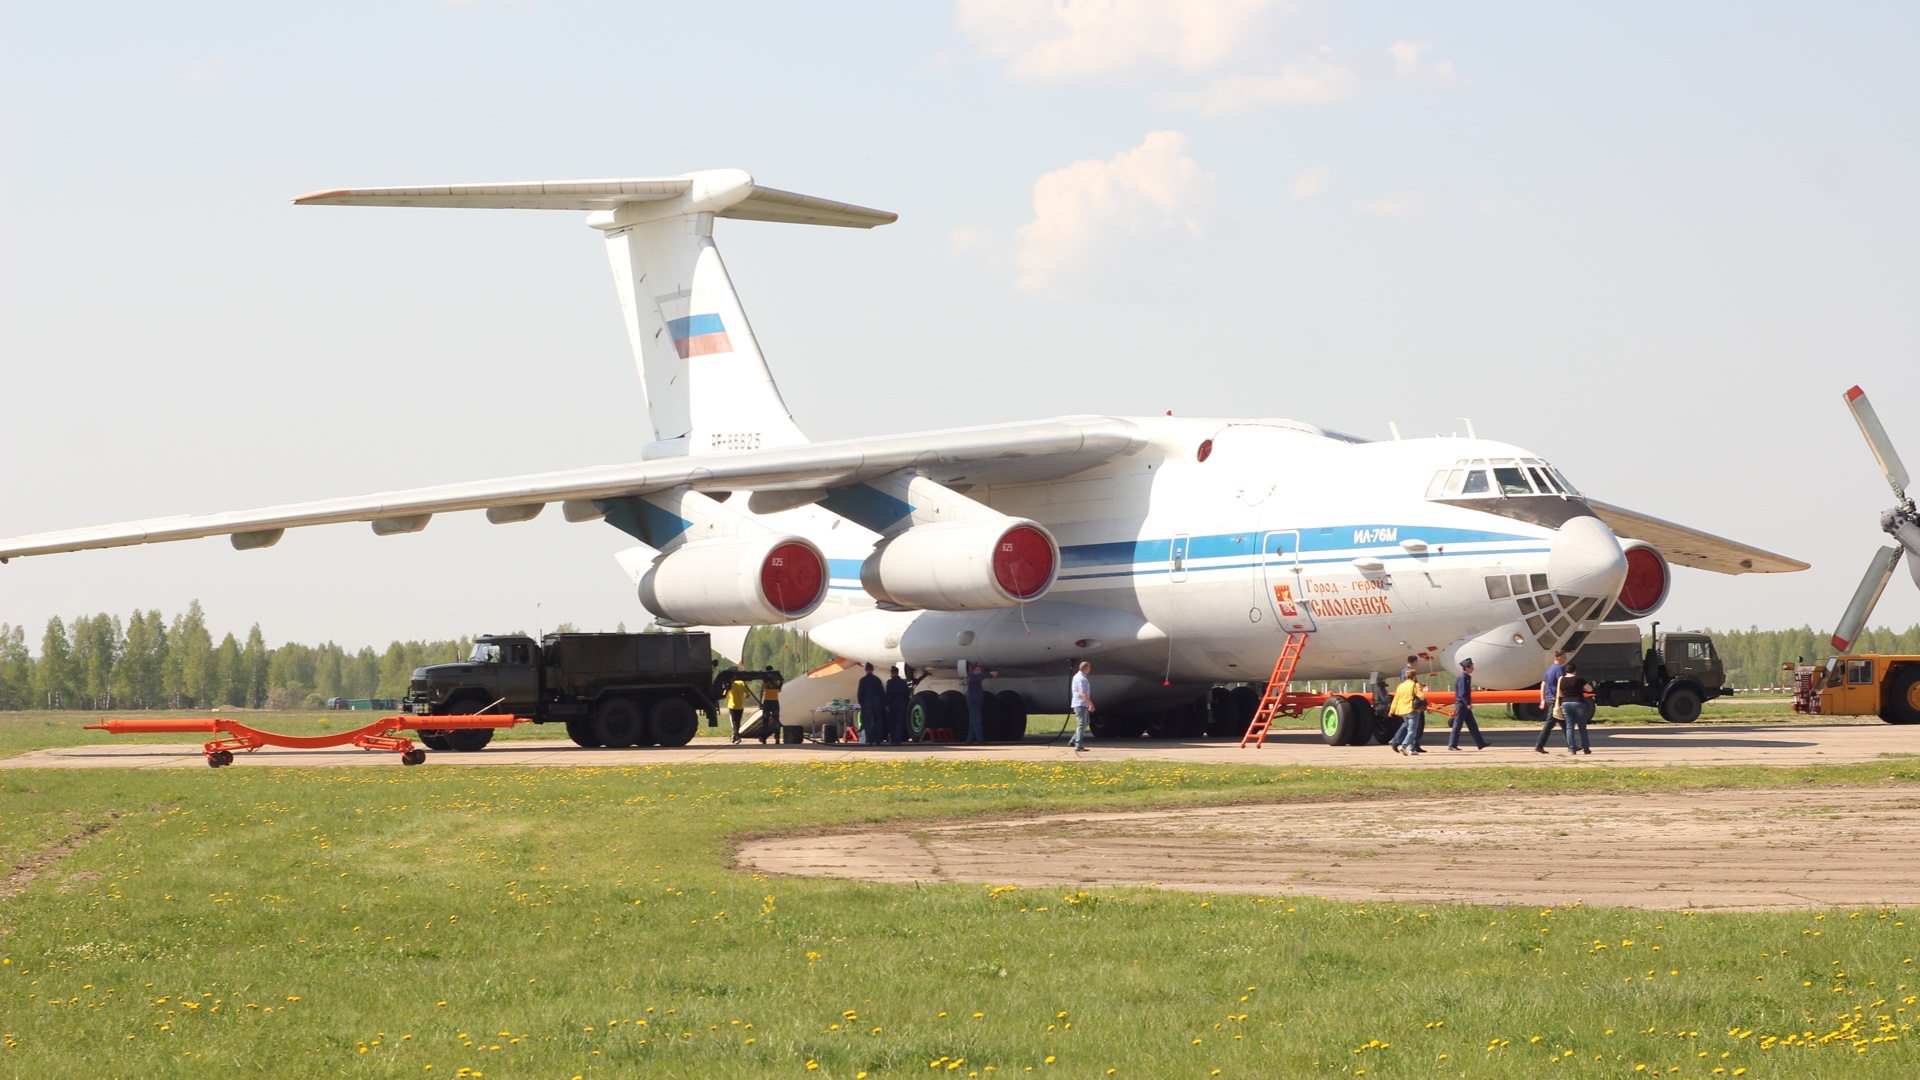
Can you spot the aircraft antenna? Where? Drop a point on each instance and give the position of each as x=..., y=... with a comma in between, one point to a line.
x=1395, y=428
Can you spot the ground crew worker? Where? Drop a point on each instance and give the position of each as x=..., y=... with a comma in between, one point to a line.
x=1409, y=703
x=737, y=705
x=1549, y=693
x=872, y=698
x=769, y=705
x=1463, y=709
x=898, y=703
x=1081, y=703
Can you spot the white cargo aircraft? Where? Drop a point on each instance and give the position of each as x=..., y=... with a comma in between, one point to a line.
x=1176, y=554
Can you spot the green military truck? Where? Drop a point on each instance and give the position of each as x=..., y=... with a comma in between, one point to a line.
x=1677, y=674
x=609, y=689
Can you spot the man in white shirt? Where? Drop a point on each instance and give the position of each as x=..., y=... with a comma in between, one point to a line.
x=1082, y=704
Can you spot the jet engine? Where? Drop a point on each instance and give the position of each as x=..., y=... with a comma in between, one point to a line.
x=963, y=565
x=737, y=581
x=1648, y=578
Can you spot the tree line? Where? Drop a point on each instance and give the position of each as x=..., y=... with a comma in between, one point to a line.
x=146, y=661
x=1754, y=657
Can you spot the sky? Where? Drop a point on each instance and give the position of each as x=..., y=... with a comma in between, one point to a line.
x=1653, y=243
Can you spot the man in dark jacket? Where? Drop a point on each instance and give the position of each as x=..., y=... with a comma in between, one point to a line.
x=1463, y=709
x=977, y=702
x=872, y=698
x=899, y=702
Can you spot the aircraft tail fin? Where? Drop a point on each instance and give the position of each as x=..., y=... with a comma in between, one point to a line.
x=707, y=386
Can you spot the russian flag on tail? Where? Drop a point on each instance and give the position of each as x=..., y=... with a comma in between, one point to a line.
x=699, y=335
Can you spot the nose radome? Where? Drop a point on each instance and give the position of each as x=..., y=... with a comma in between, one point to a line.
x=1586, y=559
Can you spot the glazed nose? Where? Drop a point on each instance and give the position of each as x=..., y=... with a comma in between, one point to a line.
x=1586, y=560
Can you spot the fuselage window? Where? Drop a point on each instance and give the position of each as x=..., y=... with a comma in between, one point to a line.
x=1476, y=483
x=1512, y=481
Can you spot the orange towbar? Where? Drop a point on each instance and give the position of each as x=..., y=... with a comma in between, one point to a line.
x=379, y=735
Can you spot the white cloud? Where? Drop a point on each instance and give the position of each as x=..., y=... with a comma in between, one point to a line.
x=1317, y=81
x=1071, y=39
x=1314, y=181
x=203, y=70
x=1094, y=215
x=1398, y=204
x=1410, y=62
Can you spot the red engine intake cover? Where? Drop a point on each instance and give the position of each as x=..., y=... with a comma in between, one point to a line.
x=793, y=577
x=1023, y=562
x=1646, y=581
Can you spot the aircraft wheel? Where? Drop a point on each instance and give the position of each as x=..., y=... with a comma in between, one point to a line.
x=1681, y=705
x=1246, y=702
x=925, y=712
x=953, y=704
x=1344, y=724
x=617, y=722
x=1220, y=714
x=1383, y=727
x=993, y=718
x=673, y=721
x=1903, y=697
x=1164, y=724
x=1014, y=708
x=1115, y=725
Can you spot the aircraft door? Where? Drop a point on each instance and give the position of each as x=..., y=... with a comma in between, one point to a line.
x=1279, y=555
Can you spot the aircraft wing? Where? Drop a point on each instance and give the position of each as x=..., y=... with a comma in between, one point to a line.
x=1691, y=547
x=993, y=454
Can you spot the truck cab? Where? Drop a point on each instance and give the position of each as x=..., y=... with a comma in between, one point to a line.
x=502, y=668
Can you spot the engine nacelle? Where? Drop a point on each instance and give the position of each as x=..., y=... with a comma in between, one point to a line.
x=963, y=565
x=1648, y=579
x=737, y=581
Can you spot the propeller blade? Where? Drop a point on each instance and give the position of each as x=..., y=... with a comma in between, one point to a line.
x=1876, y=434
x=1879, y=572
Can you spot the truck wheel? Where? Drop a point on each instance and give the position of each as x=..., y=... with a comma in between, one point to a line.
x=1681, y=705
x=1903, y=697
x=925, y=712
x=617, y=722
x=466, y=740
x=581, y=732
x=435, y=740
x=673, y=721
x=462, y=739
x=1014, y=707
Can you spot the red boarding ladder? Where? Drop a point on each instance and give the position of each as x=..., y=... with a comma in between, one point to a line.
x=1277, y=700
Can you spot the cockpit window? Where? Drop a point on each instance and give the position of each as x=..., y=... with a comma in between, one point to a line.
x=1512, y=481
x=1542, y=480
x=1476, y=483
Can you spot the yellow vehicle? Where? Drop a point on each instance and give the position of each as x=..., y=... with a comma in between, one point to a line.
x=1869, y=685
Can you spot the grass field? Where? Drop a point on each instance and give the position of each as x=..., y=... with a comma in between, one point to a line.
x=585, y=922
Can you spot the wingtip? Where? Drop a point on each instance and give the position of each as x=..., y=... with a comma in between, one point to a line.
x=316, y=196
x=1855, y=394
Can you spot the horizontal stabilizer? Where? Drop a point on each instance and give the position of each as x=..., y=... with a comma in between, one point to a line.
x=756, y=203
